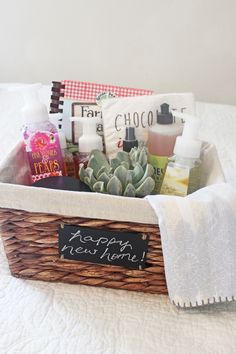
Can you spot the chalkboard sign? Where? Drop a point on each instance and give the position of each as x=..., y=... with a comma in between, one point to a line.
x=127, y=249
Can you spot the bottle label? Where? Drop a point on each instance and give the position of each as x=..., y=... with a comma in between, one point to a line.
x=44, y=154
x=194, y=179
x=181, y=180
x=176, y=181
x=159, y=164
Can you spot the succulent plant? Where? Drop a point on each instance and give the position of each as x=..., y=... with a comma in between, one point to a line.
x=127, y=174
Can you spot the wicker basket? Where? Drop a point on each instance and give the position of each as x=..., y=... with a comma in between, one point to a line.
x=31, y=245
x=30, y=217
x=29, y=221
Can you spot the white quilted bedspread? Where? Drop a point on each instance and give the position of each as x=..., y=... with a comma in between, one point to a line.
x=46, y=318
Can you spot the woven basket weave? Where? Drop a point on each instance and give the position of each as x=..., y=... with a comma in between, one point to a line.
x=31, y=246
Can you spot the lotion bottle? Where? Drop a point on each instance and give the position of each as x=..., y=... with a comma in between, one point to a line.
x=161, y=141
x=183, y=171
x=40, y=137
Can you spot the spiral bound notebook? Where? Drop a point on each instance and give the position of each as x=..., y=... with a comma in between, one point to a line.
x=77, y=98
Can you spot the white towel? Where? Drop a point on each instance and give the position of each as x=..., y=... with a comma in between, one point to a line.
x=198, y=234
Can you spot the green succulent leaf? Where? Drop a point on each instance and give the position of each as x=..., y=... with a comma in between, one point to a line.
x=82, y=173
x=99, y=187
x=102, y=169
x=133, y=150
x=104, y=178
x=123, y=156
x=114, y=186
x=148, y=173
x=94, y=165
x=90, y=181
x=114, y=163
x=125, y=164
x=142, y=159
x=89, y=172
x=97, y=160
x=121, y=173
x=129, y=178
x=146, y=187
x=134, y=155
x=87, y=181
x=129, y=191
x=137, y=173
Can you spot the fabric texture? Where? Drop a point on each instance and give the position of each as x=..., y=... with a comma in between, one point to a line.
x=198, y=235
x=89, y=91
x=46, y=318
x=15, y=178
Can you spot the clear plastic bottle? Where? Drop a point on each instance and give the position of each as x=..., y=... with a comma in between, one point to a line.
x=89, y=141
x=41, y=138
x=161, y=142
x=66, y=154
x=183, y=172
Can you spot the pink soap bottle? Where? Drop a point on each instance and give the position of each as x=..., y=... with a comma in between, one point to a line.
x=40, y=137
x=161, y=142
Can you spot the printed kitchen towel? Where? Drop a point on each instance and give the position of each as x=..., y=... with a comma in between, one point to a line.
x=198, y=234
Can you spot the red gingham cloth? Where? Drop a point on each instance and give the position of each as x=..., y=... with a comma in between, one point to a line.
x=77, y=90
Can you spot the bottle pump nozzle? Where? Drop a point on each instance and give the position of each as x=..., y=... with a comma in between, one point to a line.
x=188, y=145
x=34, y=111
x=130, y=140
x=89, y=140
x=165, y=117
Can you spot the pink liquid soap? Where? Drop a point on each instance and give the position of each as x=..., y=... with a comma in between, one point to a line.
x=160, y=142
x=40, y=136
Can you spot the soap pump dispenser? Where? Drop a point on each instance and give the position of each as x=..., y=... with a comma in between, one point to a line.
x=162, y=136
x=161, y=141
x=40, y=136
x=183, y=171
x=88, y=141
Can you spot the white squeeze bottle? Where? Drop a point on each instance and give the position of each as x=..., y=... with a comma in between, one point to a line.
x=183, y=171
x=88, y=141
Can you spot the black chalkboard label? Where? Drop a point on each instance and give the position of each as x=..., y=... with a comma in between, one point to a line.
x=126, y=249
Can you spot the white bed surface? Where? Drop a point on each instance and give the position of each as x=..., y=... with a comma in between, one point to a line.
x=46, y=318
